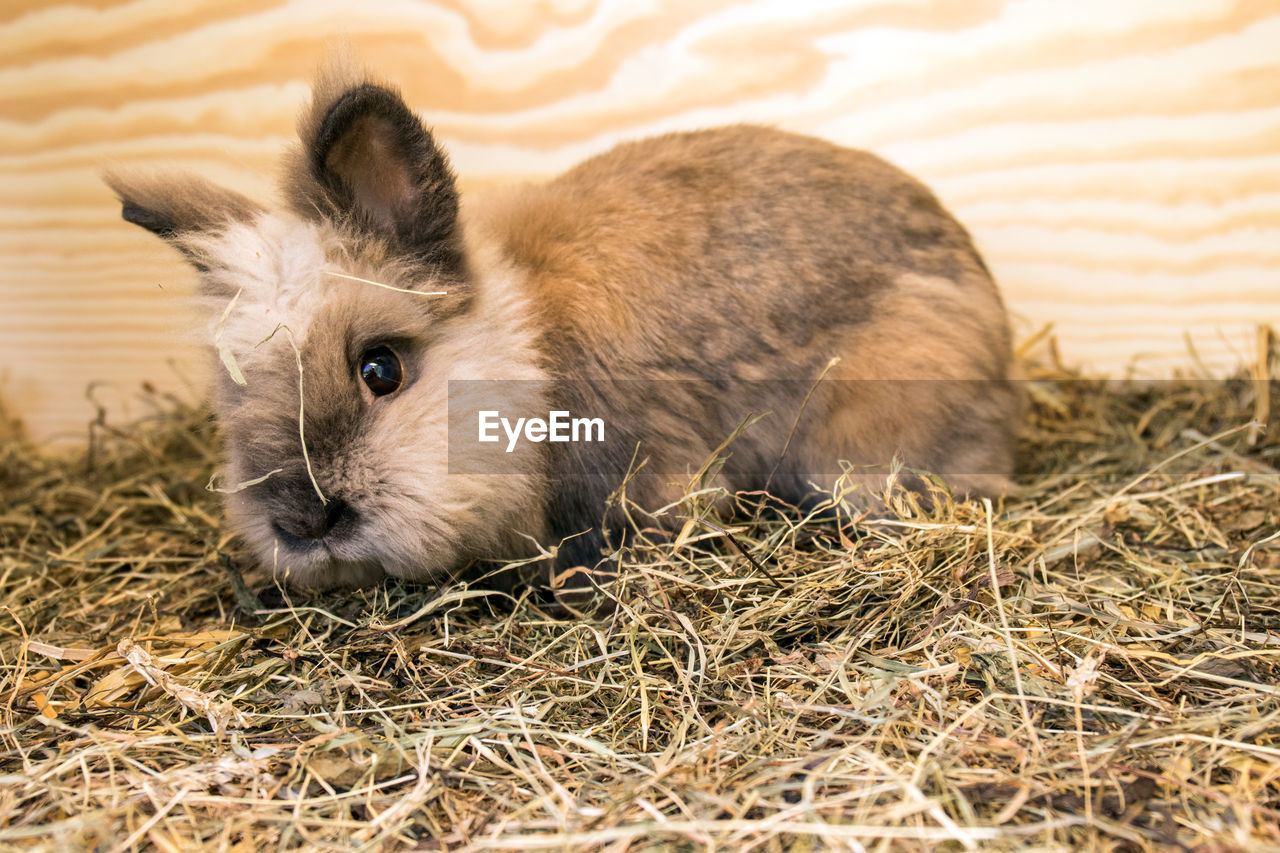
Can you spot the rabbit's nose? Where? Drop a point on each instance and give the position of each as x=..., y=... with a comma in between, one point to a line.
x=312, y=520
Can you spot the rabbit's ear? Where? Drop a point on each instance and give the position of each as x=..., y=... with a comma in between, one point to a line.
x=177, y=206
x=367, y=159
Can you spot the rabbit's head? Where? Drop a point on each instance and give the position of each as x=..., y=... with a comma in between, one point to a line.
x=336, y=321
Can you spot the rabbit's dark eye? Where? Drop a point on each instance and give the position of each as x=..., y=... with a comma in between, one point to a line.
x=381, y=370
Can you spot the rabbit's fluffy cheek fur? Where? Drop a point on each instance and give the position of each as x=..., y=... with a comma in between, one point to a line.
x=382, y=459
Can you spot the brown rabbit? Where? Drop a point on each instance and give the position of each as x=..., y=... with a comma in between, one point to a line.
x=668, y=291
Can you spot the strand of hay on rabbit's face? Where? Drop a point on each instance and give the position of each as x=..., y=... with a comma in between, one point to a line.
x=1112, y=679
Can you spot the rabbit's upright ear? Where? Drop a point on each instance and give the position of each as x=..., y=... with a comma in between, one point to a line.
x=177, y=206
x=365, y=158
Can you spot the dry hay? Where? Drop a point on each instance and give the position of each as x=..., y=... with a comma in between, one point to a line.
x=1091, y=664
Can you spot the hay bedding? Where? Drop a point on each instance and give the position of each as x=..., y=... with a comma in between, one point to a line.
x=1092, y=664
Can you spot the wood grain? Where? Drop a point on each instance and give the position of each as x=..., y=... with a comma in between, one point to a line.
x=1119, y=163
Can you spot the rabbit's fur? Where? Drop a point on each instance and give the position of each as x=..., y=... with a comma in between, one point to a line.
x=726, y=270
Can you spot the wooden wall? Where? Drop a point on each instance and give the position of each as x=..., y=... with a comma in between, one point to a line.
x=1117, y=160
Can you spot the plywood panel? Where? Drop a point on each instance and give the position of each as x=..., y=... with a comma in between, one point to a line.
x=1119, y=163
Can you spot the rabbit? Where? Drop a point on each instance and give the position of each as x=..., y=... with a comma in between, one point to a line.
x=813, y=302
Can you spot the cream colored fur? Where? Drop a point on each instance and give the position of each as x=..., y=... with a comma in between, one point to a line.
x=418, y=519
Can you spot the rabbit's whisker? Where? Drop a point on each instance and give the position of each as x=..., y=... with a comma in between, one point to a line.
x=387, y=286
